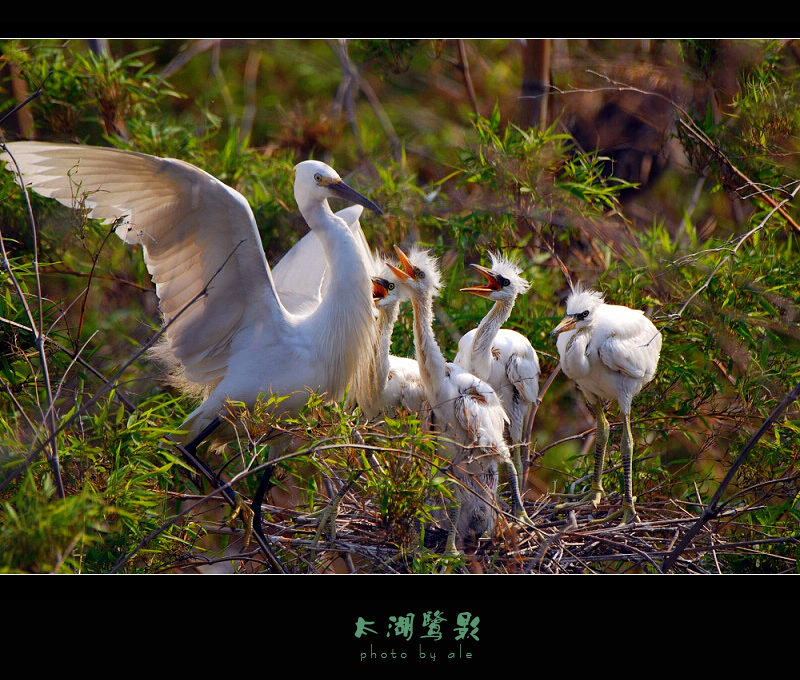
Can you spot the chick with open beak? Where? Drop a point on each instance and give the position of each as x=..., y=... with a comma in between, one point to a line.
x=494, y=282
x=380, y=289
x=504, y=357
x=408, y=271
x=467, y=411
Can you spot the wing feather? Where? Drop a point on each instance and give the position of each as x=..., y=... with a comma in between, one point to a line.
x=633, y=345
x=188, y=224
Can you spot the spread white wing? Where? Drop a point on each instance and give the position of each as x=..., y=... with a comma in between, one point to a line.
x=188, y=224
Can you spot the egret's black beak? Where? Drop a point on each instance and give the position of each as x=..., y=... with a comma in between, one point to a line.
x=349, y=194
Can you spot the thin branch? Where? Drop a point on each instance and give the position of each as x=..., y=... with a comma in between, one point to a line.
x=111, y=382
x=730, y=253
x=75, y=357
x=689, y=126
x=526, y=452
x=464, y=68
x=25, y=102
x=49, y=417
x=95, y=258
x=711, y=510
x=187, y=54
x=339, y=48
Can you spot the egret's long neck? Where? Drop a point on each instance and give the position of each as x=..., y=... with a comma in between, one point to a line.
x=481, y=359
x=387, y=316
x=343, y=325
x=429, y=356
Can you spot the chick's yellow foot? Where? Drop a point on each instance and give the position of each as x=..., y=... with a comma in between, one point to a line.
x=247, y=516
x=628, y=512
x=592, y=498
x=629, y=515
x=326, y=516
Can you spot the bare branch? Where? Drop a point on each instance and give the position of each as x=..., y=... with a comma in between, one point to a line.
x=49, y=417
x=111, y=382
x=711, y=510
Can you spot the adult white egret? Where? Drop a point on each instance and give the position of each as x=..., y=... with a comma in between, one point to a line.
x=611, y=352
x=467, y=411
x=238, y=340
x=501, y=356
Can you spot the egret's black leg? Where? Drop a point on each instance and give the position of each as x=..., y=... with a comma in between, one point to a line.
x=264, y=485
x=207, y=430
x=189, y=451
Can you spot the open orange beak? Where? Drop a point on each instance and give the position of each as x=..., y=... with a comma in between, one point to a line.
x=407, y=271
x=380, y=288
x=492, y=284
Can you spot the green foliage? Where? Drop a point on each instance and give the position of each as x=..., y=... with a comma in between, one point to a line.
x=720, y=283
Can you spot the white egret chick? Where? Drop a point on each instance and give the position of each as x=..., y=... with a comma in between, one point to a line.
x=501, y=356
x=466, y=410
x=611, y=352
x=400, y=381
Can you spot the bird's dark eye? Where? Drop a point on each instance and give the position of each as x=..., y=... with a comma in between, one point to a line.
x=317, y=177
x=419, y=273
x=582, y=315
x=503, y=281
x=390, y=286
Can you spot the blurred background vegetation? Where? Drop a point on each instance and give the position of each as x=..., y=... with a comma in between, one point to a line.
x=662, y=172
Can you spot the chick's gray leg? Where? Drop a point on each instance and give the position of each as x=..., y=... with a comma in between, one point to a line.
x=517, y=506
x=595, y=495
x=601, y=441
x=626, y=449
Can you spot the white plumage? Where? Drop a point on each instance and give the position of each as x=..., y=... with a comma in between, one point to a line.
x=501, y=356
x=467, y=411
x=611, y=352
x=400, y=381
x=239, y=340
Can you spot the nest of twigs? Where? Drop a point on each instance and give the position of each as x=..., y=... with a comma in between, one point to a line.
x=667, y=537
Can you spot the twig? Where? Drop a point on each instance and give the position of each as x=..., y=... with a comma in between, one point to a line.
x=187, y=54
x=110, y=382
x=25, y=102
x=464, y=68
x=95, y=258
x=339, y=48
x=689, y=126
x=49, y=415
x=741, y=239
x=249, y=83
x=711, y=510
x=526, y=452
x=550, y=249
x=119, y=394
